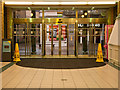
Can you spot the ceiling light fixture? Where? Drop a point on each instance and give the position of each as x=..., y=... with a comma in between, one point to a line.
x=82, y=16
x=48, y=8
x=73, y=8
x=56, y=3
x=85, y=13
x=19, y=3
x=88, y=11
x=101, y=2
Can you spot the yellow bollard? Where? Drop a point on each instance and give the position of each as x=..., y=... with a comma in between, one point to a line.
x=99, y=54
x=16, y=54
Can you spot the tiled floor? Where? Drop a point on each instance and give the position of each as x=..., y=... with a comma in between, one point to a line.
x=22, y=77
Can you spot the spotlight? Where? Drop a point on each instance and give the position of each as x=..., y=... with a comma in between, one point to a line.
x=82, y=16
x=48, y=8
x=85, y=13
x=92, y=8
x=88, y=11
x=29, y=8
x=73, y=8
x=31, y=14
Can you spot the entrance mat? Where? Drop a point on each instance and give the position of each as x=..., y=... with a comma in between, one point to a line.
x=59, y=63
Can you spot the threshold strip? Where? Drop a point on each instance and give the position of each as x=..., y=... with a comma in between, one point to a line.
x=6, y=66
x=113, y=65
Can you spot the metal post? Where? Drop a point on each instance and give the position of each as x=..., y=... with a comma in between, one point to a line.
x=76, y=34
x=43, y=34
x=51, y=39
x=59, y=39
x=67, y=39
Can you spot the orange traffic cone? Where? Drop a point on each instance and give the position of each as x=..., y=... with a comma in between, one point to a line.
x=99, y=54
x=16, y=54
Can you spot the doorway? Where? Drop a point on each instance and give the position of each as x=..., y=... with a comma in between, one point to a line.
x=29, y=38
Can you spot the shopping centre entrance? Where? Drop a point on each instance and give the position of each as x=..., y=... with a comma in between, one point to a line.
x=59, y=36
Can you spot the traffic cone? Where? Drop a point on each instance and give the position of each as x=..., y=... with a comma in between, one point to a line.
x=16, y=54
x=99, y=54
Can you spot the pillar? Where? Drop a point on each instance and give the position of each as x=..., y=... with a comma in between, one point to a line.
x=1, y=33
x=118, y=12
x=9, y=23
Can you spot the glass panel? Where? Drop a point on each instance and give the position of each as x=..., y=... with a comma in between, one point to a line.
x=26, y=13
x=93, y=13
x=83, y=40
x=34, y=39
x=89, y=35
x=59, y=13
x=71, y=39
x=64, y=39
x=20, y=37
x=48, y=39
x=56, y=39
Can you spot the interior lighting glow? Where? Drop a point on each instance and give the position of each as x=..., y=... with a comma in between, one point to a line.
x=46, y=3
x=68, y=3
x=82, y=16
x=31, y=14
x=85, y=13
x=57, y=3
x=88, y=11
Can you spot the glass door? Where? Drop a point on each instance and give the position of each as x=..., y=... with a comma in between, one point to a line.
x=29, y=38
x=71, y=39
x=19, y=36
x=56, y=39
x=34, y=39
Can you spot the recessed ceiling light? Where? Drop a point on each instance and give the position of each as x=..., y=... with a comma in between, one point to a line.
x=29, y=8
x=73, y=8
x=48, y=8
x=82, y=16
x=101, y=2
x=57, y=3
x=88, y=11
x=85, y=13
x=92, y=8
x=31, y=14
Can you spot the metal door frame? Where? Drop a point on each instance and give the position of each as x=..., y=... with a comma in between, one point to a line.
x=59, y=27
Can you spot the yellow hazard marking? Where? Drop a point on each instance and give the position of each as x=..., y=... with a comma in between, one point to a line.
x=16, y=54
x=99, y=54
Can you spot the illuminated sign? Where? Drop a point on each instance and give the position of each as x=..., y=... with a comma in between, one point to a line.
x=6, y=46
x=89, y=25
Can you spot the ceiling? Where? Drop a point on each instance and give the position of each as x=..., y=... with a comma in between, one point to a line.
x=61, y=0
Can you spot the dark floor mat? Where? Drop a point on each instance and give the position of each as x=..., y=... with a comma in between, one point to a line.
x=59, y=63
